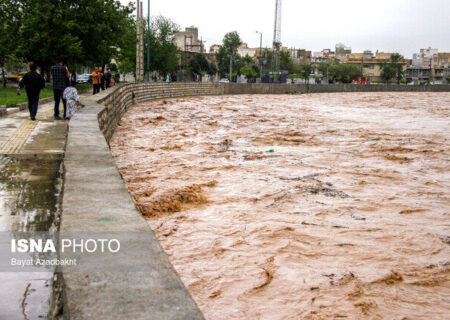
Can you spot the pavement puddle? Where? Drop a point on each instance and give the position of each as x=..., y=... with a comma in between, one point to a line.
x=29, y=195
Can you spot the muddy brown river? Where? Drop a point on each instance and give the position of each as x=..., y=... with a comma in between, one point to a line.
x=318, y=206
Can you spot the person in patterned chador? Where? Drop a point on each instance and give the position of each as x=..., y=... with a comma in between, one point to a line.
x=71, y=96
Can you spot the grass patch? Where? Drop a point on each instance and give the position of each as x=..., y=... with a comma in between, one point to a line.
x=9, y=97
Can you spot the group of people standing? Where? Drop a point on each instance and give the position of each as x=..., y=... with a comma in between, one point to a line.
x=63, y=88
x=100, y=79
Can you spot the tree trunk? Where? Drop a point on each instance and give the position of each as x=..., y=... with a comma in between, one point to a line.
x=231, y=69
x=3, y=77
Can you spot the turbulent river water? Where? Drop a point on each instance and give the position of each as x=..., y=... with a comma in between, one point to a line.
x=316, y=206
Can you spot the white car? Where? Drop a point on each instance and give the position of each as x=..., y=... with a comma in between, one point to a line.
x=84, y=78
x=224, y=80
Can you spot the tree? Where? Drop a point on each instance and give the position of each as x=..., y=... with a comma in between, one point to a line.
x=199, y=66
x=286, y=61
x=397, y=66
x=387, y=72
x=164, y=53
x=228, y=51
x=10, y=16
x=344, y=72
x=249, y=72
x=305, y=73
x=79, y=31
x=212, y=68
x=126, y=55
x=324, y=68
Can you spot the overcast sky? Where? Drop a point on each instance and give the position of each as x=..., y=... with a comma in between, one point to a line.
x=403, y=26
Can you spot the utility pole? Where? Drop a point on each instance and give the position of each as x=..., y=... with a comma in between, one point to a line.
x=260, y=55
x=276, y=39
x=140, y=42
x=231, y=68
x=148, y=43
x=362, y=67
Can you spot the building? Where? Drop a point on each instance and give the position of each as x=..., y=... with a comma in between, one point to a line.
x=300, y=56
x=214, y=48
x=188, y=40
x=323, y=55
x=244, y=50
x=371, y=64
x=429, y=65
x=342, y=51
x=428, y=53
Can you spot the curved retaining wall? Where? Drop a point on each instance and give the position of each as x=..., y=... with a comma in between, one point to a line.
x=117, y=103
x=96, y=199
x=256, y=88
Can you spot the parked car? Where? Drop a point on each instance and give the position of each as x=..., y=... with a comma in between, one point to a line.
x=224, y=80
x=84, y=78
x=16, y=77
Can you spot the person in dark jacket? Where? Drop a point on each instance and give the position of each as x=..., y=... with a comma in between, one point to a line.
x=60, y=76
x=102, y=79
x=33, y=83
x=108, y=77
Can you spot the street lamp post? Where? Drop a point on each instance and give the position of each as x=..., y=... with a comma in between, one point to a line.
x=260, y=55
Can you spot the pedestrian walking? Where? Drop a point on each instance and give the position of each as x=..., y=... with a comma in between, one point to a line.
x=60, y=76
x=102, y=78
x=168, y=78
x=71, y=96
x=33, y=83
x=96, y=80
x=108, y=77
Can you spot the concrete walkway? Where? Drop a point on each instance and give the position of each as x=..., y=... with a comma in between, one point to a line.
x=97, y=200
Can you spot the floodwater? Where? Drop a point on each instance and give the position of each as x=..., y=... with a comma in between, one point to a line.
x=318, y=206
x=29, y=196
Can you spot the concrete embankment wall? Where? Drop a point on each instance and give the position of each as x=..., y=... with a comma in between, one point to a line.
x=97, y=200
x=117, y=103
x=256, y=88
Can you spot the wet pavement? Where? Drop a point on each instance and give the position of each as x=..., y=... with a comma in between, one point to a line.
x=30, y=156
x=317, y=206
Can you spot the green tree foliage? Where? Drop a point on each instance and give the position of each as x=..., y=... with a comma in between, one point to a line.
x=212, y=69
x=228, y=52
x=344, y=72
x=126, y=55
x=10, y=16
x=397, y=66
x=164, y=54
x=199, y=66
x=249, y=72
x=82, y=32
x=388, y=72
x=393, y=69
x=305, y=72
x=286, y=61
